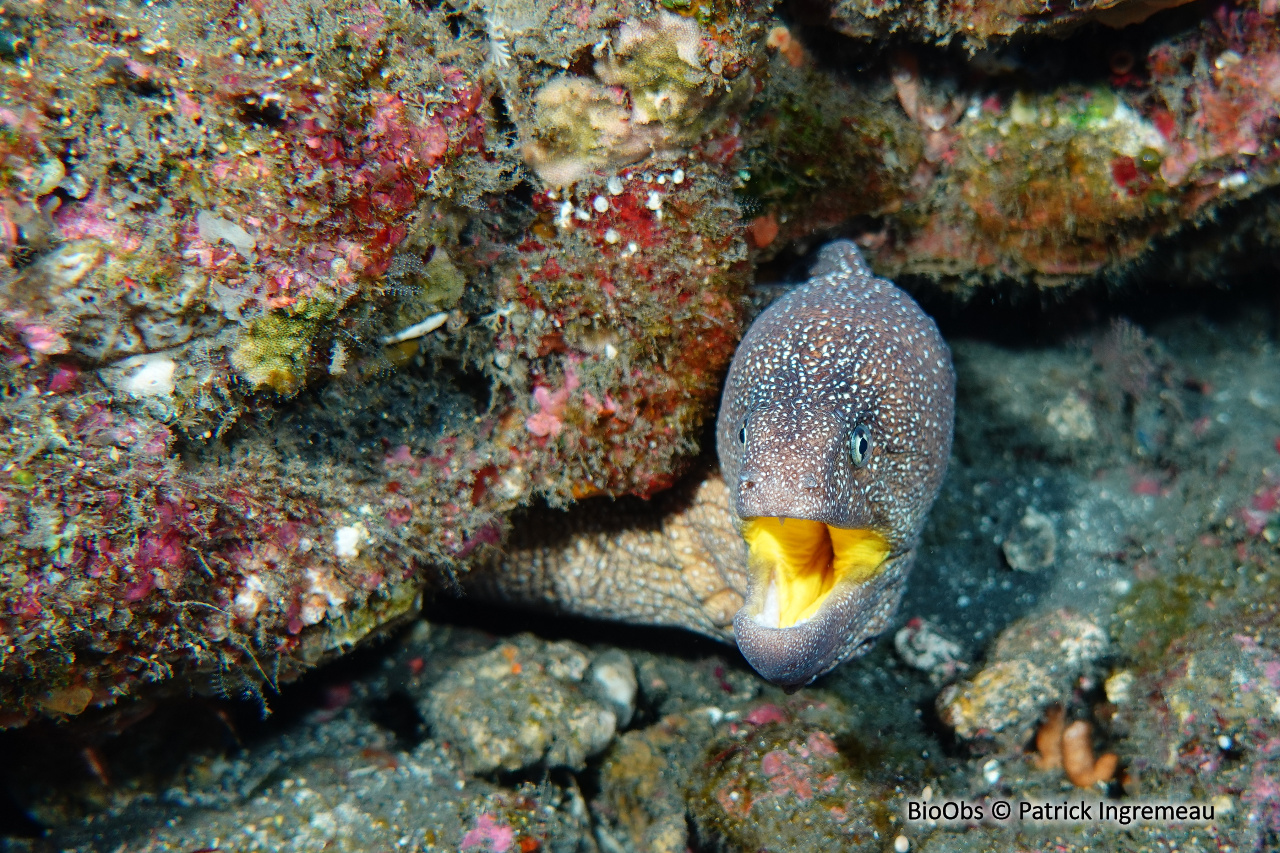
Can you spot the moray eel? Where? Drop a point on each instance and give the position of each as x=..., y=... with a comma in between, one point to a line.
x=833, y=436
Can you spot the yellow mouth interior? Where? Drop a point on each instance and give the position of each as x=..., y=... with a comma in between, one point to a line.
x=805, y=560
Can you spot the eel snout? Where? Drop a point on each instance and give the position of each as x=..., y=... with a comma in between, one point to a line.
x=809, y=587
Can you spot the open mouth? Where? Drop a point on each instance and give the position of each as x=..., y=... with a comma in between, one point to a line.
x=799, y=562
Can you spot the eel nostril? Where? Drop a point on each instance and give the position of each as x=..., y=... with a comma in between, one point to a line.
x=748, y=484
x=808, y=481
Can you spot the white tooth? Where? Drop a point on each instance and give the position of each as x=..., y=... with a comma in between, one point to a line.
x=771, y=614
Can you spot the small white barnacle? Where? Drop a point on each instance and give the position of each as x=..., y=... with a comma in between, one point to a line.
x=347, y=540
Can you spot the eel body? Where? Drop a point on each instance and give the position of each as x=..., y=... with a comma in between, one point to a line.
x=833, y=438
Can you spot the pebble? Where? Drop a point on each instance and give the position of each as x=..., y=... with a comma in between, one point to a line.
x=614, y=677
x=1032, y=544
x=922, y=647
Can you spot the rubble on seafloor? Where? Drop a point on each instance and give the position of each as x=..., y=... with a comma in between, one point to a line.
x=300, y=300
x=551, y=707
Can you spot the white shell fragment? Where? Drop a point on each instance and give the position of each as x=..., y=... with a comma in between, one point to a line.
x=147, y=376
x=213, y=228
x=346, y=541
x=417, y=330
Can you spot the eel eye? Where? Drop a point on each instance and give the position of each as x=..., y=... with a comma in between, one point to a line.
x=742, y=435
x=860, y=445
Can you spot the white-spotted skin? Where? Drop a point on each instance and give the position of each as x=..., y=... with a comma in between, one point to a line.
x=842, y=350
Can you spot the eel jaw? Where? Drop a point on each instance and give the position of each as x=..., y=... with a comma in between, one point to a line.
x=809, y=588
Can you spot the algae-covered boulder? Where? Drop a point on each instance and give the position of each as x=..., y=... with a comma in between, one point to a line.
x=523, y=704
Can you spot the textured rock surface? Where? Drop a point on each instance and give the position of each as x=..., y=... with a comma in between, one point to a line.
x=232, y=454
x=778, y=780
x=982, y=25
x=1033, y=664
x=521, y=705
x=642, y=804
x=1005, y=165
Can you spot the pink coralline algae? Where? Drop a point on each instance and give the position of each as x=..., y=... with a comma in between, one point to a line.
x=789, y=773
x=782, y=783
x=265, y=201
x=42, y=339
x=595, y=296
x=166, y=568
x=1264, y=507
x=764, y=714
x=488, y=836
x=546, y=421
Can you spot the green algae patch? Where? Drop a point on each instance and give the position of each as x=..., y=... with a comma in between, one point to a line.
x=795, y=124
x=1219, y=590
x=442, y=282
x=275, y=352
x=1157, y=612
